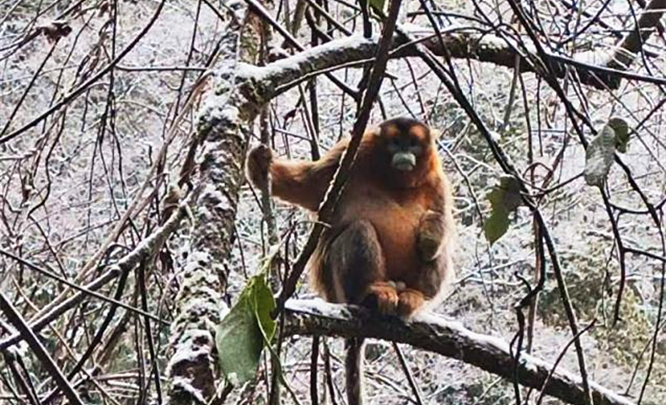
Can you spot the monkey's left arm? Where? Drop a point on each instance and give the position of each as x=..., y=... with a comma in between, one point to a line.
x=434, y=229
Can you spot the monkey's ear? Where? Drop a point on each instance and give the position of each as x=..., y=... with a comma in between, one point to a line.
x=373, y=130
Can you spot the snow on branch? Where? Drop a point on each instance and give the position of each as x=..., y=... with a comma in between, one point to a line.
x=277, y=77
x=436, y=334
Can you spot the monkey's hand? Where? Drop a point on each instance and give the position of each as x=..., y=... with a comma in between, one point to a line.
x=257, y=166
x=430, y=235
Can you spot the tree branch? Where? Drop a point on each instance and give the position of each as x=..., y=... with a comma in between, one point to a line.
x=282, y=75
x=436, y=334
x=633, y=43
x=38, y=348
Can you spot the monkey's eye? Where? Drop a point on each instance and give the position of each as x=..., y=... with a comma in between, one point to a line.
x=392, y=144
x=413, y=142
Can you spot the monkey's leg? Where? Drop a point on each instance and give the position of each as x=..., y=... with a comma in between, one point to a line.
x=355, y=264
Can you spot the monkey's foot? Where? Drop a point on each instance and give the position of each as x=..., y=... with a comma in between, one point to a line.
x=409, y=301
x=383, y=297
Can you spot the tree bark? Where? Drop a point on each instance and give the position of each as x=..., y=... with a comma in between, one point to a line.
x=223, y=129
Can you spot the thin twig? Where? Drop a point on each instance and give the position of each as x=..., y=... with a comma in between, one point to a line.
x=38, y=348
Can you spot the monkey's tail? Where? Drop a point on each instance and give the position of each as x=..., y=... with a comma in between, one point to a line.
x=354, y=370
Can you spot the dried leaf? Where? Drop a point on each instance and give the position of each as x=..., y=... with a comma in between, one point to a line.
x=55, y=30
x=599, y=157
x=621, y=129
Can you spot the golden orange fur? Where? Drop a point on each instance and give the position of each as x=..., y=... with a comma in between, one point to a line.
x=391, y=236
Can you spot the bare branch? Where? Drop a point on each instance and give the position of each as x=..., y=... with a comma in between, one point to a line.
x=38, y=348
x=633, y=43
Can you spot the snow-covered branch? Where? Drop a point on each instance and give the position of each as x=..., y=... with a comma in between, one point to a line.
x=448, y=338
x=283, y=74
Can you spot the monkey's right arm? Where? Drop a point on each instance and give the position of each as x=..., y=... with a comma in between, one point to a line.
x=298, y=182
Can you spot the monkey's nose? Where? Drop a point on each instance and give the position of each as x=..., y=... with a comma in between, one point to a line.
x=403, y=161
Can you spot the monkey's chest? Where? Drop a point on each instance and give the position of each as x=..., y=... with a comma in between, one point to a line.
x=396, y=224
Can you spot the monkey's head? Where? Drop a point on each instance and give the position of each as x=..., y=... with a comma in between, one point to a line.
x=406, y=145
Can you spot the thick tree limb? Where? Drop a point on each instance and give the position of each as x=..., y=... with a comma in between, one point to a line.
x=224, y=125
x=279, y=76
x=436, y=334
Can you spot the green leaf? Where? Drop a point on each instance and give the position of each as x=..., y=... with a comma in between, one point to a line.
x=504, y=198
x=599, y=157
x=245, y=331
x=264, y=304
x=621, y=129
x=378, y=5
x=496, y=225
x=239, y=342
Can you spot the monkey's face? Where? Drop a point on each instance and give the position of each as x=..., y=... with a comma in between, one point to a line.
x=406, y=142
